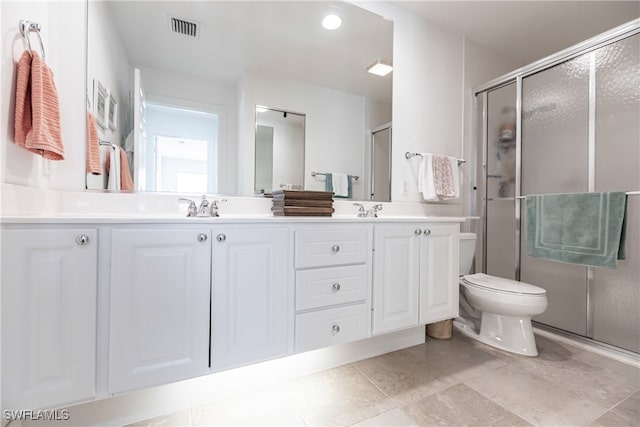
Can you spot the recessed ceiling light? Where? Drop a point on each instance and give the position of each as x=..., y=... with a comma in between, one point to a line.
x=380, y=68
x=332, y=22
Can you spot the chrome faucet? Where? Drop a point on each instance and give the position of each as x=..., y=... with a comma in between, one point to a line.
x=372, y=212
x=206, y=208
x=361, y=211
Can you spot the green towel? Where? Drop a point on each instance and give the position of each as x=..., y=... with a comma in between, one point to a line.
x=328, y=185
x=578, y=228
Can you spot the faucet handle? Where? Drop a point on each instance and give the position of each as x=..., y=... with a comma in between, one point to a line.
x=213, y=210
x=361, y=212
x=192, y=210
x=374, y=210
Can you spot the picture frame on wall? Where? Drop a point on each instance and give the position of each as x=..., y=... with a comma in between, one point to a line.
x=100, y=103
x=112, y=116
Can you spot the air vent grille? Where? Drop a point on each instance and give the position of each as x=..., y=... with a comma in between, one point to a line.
x=184, y=27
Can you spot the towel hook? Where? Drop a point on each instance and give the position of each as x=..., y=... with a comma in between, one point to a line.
x=26, y=27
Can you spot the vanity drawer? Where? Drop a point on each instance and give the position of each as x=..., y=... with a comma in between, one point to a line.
x=330, y=247
x=330, y=286
x=330, y=327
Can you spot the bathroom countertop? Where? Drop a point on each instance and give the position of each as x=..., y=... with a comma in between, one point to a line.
x=144, y=218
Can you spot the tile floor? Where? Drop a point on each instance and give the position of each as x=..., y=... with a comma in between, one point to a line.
x=441, y=383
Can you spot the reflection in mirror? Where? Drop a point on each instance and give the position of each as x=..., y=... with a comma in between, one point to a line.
x=242, y=54
x=279, y=150
x=381, y=164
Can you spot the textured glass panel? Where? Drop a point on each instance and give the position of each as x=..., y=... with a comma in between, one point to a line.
x=501, y=179
x=617, y=292
x=555, y=105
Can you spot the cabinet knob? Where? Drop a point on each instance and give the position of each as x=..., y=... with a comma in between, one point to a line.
x=418, y=232
x=427, y=232
x=221, y=237
x=335, y=329
x=82, y=239
x=336, y=287
x=335, y=249
x=202, y=237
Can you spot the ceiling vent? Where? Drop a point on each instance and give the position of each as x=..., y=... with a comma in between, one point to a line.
x=184, y=27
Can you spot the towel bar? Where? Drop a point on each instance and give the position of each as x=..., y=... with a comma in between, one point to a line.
x=356, y=177
x=409, y=155
x=628, y=193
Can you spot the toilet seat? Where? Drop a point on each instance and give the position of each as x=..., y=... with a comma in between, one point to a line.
x=501, y=285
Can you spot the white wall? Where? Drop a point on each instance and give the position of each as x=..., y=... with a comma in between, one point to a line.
x=334, y=127
x=63, y=27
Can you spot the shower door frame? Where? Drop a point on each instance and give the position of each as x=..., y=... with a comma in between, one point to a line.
x=479, y=203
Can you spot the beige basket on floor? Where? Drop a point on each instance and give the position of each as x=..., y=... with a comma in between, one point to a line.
x=442, y=330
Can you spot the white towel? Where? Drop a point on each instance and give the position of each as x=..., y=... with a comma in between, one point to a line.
x=114, y=168
x=341, y=184
x=425, y=178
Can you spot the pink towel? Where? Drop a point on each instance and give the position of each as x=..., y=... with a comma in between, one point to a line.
x=93, y=146
x=37, y=114
x=22, y=116
x=126, y=182
x=443, y=176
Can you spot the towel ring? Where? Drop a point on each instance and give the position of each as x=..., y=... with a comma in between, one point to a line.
x=26, y=27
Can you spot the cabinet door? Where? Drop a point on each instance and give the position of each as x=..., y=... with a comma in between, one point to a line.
x=159, y=314
x=251, y=304
x=439, y=272
x=48, y=317
x=395, y=277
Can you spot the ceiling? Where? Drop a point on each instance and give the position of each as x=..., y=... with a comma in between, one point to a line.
x=525, y=31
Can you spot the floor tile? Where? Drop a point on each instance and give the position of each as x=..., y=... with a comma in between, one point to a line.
x=176, y=419
x=269, y=407
x=531, y=395
x=625, y=414
x=461, y=406
x=339, y=396
x=404, y=375
x=393, y=418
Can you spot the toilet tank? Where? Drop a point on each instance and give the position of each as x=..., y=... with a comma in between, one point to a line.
x=467, y=249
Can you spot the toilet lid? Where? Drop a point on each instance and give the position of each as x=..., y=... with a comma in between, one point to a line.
x=501, y=284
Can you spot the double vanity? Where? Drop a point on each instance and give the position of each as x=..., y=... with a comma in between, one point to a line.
x=94, y=306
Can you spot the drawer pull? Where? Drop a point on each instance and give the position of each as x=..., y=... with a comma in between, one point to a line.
x=335, y=249
x=82, y=239
x=418, y=232
x=221, y=237
x=336, y=287
x=427, y=232
x=335, y=329
x=202, y=237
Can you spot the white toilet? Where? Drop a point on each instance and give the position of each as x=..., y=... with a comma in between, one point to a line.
x=494, y=310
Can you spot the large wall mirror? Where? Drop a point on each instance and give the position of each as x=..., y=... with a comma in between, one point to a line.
x=173, y=88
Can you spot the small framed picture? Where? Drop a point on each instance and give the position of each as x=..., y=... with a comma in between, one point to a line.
x=100, y=103
x=113, y=112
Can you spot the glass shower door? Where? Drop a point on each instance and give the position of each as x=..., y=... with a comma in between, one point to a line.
x=555, y=149
x=616, y=293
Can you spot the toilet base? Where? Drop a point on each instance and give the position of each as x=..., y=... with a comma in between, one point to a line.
x=513, y=334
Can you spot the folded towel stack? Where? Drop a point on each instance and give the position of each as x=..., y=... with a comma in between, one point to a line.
x=302, y=203
x=37, y=112
x=438, y=177
x=341, y=184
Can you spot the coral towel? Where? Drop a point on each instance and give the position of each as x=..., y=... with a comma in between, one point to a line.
x=93, y=147
x=126, y=182
x=37, y=114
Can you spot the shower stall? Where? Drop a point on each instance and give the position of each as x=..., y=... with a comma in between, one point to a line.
x=568, y=123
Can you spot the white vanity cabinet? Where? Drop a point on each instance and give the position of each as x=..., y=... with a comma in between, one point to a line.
x=415, y=275
x=251, y=304
x=49, y=282
x=333, y=277
x=159, y=306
